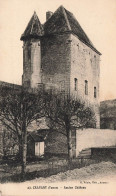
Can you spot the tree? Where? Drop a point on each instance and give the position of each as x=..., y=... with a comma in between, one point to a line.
x=65, y=114
x=9, y=143
x=18, y=109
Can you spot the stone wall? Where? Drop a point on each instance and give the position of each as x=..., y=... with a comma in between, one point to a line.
x=56, y=59
x=85, y=67
x=88, y=138
x=56, y=143
x=31, y=63
x=64, y=58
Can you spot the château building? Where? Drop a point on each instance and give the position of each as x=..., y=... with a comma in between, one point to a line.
x=60, y=56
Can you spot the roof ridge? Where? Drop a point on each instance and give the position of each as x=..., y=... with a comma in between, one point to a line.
x=66, y=18
x=51, y=16
x=35, y=18
x=60, y=7
x=85, y=39
x=80, y=26
x=53, y=21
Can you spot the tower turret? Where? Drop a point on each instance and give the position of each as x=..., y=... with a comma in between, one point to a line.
x=32, y=53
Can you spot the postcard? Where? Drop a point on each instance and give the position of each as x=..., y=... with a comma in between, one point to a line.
x=57, y=97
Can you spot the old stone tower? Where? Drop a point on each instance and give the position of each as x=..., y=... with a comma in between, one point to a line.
x=59, y=55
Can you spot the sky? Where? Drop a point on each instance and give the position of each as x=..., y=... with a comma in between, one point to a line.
x=96, y=17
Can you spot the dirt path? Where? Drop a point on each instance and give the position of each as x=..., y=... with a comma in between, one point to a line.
x=103, y=170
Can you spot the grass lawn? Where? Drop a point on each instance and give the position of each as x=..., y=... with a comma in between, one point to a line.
x=58, y=169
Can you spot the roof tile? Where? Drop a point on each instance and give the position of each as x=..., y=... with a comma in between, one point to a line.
x=64, y=21
x=61, y=21
x=34, y=28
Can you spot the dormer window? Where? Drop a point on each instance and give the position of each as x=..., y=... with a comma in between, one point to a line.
x=75, y=84
x=86, y=87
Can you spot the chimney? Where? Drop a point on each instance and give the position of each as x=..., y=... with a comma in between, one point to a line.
x=48, y=15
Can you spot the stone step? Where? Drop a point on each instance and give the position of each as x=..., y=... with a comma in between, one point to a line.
x=85, y=153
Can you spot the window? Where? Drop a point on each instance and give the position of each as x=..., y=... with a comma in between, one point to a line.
x=95, y=92
x=95, y=60
x=86, y=87
x=75, y=84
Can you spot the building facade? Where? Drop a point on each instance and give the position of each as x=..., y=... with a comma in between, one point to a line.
x=60, y=56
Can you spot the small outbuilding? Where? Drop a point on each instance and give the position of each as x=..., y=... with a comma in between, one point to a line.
x=46, y=142
x=36, y=143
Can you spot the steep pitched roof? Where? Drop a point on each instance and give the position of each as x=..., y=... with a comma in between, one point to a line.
x=33, y=29
x=63, y=21
x=57, y=23
x=77, y=29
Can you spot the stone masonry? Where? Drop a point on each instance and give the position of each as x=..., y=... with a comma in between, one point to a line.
x=60, y=56
x=85, y=67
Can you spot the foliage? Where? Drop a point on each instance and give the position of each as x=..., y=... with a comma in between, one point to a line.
x=66, y=114
x=18, y=109
x=17, y=106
